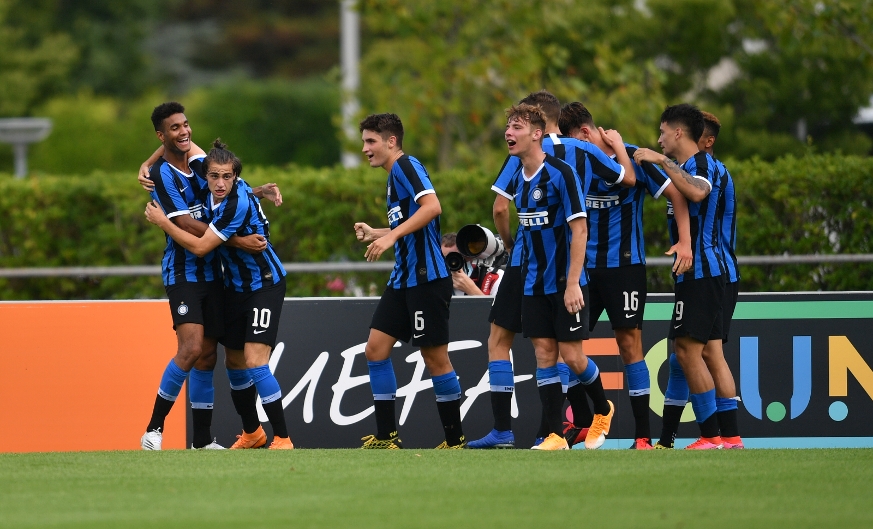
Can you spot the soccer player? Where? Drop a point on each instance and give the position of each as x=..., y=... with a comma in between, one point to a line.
x=505, y=316
x=551, y=209
x=725, y=386
x=173, y=176
x=697, y=316
x=415, y=305
x=254, y=284
x=616, y=256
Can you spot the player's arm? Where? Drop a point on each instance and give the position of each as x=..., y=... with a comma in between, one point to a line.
x=573, y=300
x=694, y=188
x=500, y=212
x=199, y=246
x=682, y=249
x=428, y=209
x=269, y=192
x=613, y=139
x=365, y=233
x=254, y=243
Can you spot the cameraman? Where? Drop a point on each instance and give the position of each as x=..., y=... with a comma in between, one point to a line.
x=469, y=279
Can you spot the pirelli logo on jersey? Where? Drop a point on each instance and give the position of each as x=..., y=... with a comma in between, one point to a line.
x=539, y=218
x=394, y=215
x=601, y=202
x=669, y=208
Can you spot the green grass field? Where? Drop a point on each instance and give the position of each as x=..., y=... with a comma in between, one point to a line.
x=439, y=489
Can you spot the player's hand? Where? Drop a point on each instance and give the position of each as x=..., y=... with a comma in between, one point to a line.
x=378, y=247
x=364, y=232
x=155, y=214
x=573, y=300
x=253, y=244
x=461, y=281
x=647, y=155
x=684, y=257
x=271, y=192
x=143, y=178
x=612, y=138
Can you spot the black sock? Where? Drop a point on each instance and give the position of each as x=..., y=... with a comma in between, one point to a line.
x=245, y=402
x=727, y=423
x=385, y=422
x=582, y=415
x=598, y=397
x=159, y=413
x=640, y=408
x=670, y=424
x=709, y=427
x=552, y=399
x=202, y=427
x=450, y=415
x=543, y=430
x=501, y=407
x=276, y=415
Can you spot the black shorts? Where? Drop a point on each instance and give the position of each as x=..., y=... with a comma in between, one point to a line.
x=253, y=317
x=546, y=317
x=621, y=292
x=731, y=293
x=506, y=307
x=698, y=309
x=417, y=315
x=200, y=303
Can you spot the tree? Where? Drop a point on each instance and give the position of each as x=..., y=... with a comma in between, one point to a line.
x=449, y=68
x=32, y=67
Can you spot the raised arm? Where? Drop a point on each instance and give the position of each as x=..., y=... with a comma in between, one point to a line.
x=613, y=139
x=694, y=188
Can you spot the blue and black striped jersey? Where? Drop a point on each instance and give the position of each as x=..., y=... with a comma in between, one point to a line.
x=615, y=216
x=728, y=241
x=705, y=224
x=178, y=193
x=546, y=203
x=241, y=214
x=418, y=258
x=586, y=158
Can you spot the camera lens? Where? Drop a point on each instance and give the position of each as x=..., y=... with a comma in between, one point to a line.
x=455, y=261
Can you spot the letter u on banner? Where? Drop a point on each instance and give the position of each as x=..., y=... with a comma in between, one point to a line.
x=802, y=373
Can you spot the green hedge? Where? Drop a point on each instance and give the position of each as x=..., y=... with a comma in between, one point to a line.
x=815, y=204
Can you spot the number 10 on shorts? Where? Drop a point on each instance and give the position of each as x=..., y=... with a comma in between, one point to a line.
x=261, y=318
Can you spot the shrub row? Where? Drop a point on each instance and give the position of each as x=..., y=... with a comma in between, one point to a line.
x=815, y=204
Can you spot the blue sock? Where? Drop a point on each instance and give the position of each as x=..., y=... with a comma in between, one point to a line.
x=703, y=405
x=590, y=374
x=573, y=379
x=677, y=387
x=724, y=404
x=201, y=390
x=548, y=375
x=239, y=378
x=500, y=376
x=171, y=382
x=564, y=374
x=383, y=382
x=638, y=378
x=266, y=383
x=447, y=387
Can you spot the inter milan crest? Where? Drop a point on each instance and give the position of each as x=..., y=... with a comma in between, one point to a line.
x=183, y=309
x=537, y=194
